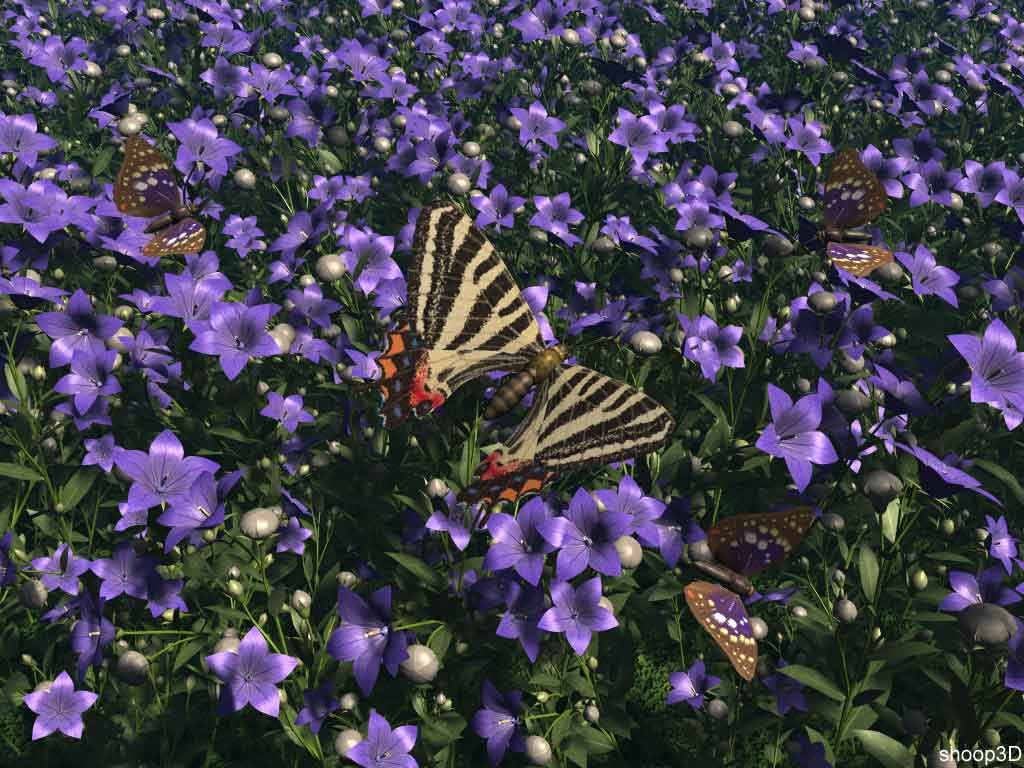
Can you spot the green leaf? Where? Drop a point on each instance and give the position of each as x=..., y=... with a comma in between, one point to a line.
x=545, y=681
x=16, y=381
x=230, y=433
x=814, y=679
x=18, y=472
x=187, y=651
x=949, y=557
x=1003, y=475
x=713, y=408
x=891, y=520
x=430, y=578
x=666, y=588
x=580, y=684
x=102, y=161
x=867, y=566
x=714, y=439
x=592, y=143
x=596, y=740
x=77, y=487
x=899, y=651
x=885, y=749
x=575, y=749
x=439, y=641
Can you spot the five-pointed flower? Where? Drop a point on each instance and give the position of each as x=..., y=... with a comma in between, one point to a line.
x=61, y=569
x=163, y=474
x=997, y=369
x=1002, y=545
x=200, y=508
x=691, y=685
x=585, y=536
x=793, y=435
x=577, y=613
x=319, y=703
x=124, y=573
x=365, y=638
x=710, y=346
x=286, y=410
x=384, y=747
x=642, y=511
x=91, y=376
x=59, y=708
x=498, y=722
x=789, y=693
x=988, y=587
x=250, y=675
x=517, y=542
x=75, y=328
x=236, y=333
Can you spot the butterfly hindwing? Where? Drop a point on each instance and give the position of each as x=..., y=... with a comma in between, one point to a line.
x=401, y=383
x=750, y=543
x=724, y=617
x=185, y=236
x=858, y=260
x=145, y=184
x=853, y=194
x=578, y=418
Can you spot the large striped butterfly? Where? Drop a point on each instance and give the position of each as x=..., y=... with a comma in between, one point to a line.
x=853, y=197
x=465, y=317
x=742, y=545
x=146, y=186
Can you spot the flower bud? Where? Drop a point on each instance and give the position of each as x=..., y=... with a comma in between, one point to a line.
x=421, y=665
x=345, y=740
x=133, y=668
x=538, y=750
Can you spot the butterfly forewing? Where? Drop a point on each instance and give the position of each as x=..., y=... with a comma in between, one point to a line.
x=145, y=184
x=853, y=194
x=185, y=236
x=466, y=317
x=723, y=615
x=750, y=543
x=858, y=260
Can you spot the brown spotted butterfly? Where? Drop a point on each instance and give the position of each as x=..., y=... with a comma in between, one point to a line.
x=853, y=197
x=742, y=545
x=146, y=186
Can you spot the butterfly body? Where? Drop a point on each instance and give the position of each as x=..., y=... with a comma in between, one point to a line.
x=146, y=187
x=178, y=214
x=516, y=387
x=465, y=317
x=853, y=197
x=735, y=581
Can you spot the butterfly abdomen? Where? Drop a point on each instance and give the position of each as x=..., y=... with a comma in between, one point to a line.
x=514, y=389
x=729, y=577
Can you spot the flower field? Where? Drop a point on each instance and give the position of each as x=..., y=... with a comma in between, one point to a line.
x=295, y=469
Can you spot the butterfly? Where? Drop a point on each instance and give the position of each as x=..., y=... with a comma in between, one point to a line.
x=742, y=546
x=146, y=186
x=465, y=317
x=853, y=197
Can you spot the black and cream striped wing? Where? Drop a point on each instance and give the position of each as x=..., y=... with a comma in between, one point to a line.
x=579, y=418
x=465, y=317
